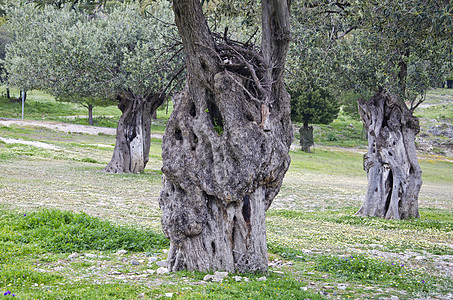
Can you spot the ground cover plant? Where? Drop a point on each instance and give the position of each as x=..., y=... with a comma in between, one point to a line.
x=311, y=228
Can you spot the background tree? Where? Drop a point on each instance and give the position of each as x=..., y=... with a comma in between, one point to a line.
x=225, y=149
x=120, y=55
x=407, y=40
x=397, y=50
x=312, y=105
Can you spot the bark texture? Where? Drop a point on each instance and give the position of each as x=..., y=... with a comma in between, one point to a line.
x=133, y=134
x=394, y=175
x=90, y=114
x=225, y=149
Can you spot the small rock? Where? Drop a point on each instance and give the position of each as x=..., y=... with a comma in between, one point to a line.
x=246, y=279
x=150, y=271
x=169, y=295
x=304, y=288
x=134, y=262
x=161, y=263
x=121, y=252
x=152, y=259
x=162, y=270
x=220, y=274
x=328, y=287
x=394, y=298
x=342, y=286
x=290, y=263
x=278, y=272
x=115, y=273
x=89, y=255
x=208, y=277
x=261, y=278
x=310, y=273
x=237, y=278
x=307, y=251
x=73, y=255
x=420, y=257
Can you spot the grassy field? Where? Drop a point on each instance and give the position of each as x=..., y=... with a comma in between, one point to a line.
x=56, y=202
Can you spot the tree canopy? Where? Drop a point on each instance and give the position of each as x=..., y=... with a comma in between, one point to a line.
x=75, y=55
x=313, y=105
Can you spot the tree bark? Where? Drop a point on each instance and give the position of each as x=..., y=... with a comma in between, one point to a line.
x=306, y=137
x=90, y=114
x=394, y=175
x=225, y=149
x=133, y=134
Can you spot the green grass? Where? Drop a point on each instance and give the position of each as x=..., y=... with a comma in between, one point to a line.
x=368, y=270
x=430, y=219
x=57, y=231
x=343, y=131
x=314, y=210
x=33, y=240
x=275, y=287
x=328, y=162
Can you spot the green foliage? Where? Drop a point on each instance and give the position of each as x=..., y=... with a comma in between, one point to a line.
x=401, y=46
x=349, y=104
x=58, y=231
x=90, y=59
x=313, y=105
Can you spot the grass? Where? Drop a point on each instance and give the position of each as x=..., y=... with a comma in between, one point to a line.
x=70, y=206
x=41, y=235
x=57, y=231
x=369, y=270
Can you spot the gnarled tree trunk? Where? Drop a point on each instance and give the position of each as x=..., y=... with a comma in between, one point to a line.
x=225, y=149
x=394, y=175
x=133, y=134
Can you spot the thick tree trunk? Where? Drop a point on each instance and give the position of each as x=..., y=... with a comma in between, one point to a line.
x=225, y=150
x=394, y=175
x=133, y=134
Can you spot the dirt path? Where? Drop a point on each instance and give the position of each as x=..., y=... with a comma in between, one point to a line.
x=65, y=127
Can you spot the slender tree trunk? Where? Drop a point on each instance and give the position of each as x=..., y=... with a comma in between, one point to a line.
x=306, y=137
x=394, y=175
x=90, y=114
x=133, y=134
x=8, y=94
x=225, y=149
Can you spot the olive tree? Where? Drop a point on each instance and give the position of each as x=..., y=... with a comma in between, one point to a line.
x=397, y=50
x=312, y=105
x=225, y=149
x=119, y=55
